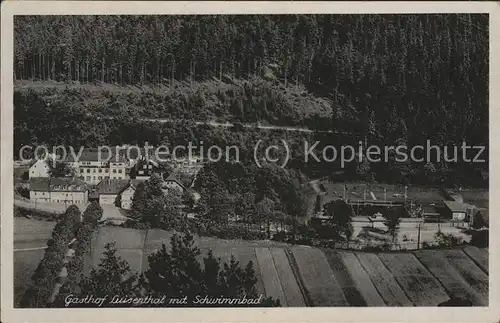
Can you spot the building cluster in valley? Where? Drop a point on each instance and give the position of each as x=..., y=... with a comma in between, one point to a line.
x=108, y=177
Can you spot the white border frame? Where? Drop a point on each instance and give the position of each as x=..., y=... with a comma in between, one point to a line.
x=350, y=314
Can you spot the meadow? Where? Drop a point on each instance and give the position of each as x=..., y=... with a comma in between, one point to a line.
x=306, y=276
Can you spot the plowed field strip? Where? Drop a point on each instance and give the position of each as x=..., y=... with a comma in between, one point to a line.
x=318, y=277
x=418, y=283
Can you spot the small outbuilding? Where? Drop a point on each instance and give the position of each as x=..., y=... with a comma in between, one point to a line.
x=457, y=211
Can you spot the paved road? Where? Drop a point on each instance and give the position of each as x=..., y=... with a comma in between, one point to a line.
x=245, y=125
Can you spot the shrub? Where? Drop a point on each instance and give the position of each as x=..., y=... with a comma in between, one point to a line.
x=280, y=236
x=372, y=248
x=232, y=232
x=23, y=191
x=480, y=238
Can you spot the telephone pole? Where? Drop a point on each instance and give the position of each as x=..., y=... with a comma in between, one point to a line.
x=418, y=236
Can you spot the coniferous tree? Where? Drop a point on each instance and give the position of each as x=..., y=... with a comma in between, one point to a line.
x=46, y=274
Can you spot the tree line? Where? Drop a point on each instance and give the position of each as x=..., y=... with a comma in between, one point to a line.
x=51, y=117
x=176, y=272
x=374, y=68
x=55, y=268
x=390, y=79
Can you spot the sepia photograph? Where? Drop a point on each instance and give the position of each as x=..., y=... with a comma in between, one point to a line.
x=232, y=160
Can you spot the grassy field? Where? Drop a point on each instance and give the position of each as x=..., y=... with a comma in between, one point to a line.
x=449, y=277
x=318, y=277
x=25, y=263
x=298, y=275
x=385, y=283
x=345, y=280
x=480, y=257
x=291, y=289
x=473, y=275
x=361, y=279
x=272, y=284
x=422, y=288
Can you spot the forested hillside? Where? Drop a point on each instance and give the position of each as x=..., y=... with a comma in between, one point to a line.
x=391, y=78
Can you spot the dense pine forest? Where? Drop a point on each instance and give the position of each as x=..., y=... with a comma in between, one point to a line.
x=391, y=78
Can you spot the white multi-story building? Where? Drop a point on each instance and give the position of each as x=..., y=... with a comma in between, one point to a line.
x=92, y=166
x=58, y=190
x=118, y=169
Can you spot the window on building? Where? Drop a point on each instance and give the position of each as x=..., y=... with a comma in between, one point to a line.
x=88, y=170
x=150, y=166
x=100, y=177
x=88, y=178
x=106, y=170
x=114, y=171
x=119, y=171
x=145, y=166
x=93, y=171
x=100, y=170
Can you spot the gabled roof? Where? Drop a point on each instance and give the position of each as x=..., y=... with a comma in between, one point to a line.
x=142, y=161
x=92, y=154
x=39, y=184
x=135, y=153
x=64, y=184
x=456, y=206
x=172, y=178
x=133, y=183
x=37, y=161
x=112, y=186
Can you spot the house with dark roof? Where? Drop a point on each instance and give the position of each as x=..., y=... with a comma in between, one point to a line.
x=58, y=190
x=118, y=192
x=108, y=190
x=457, y=211
x=144, y=168
x=171, y=182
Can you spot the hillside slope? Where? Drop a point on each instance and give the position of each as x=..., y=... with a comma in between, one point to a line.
x=305, y=276
x=225, y=99
x=330, y=277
